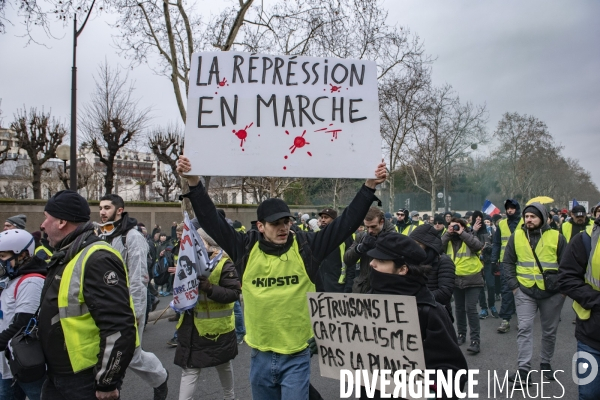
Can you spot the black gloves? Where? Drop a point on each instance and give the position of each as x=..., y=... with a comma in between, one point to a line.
x=495, y=267
x=368, y=243
x=205, y=285
x=312, y=346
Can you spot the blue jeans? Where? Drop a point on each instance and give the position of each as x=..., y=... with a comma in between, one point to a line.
x=275, y=376
x=490, y=283
x=240, y=328
x=32, y=390
x=591, y=391
x=507, y=309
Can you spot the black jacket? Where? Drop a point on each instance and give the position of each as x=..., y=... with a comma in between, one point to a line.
x=513, y=221
x=330, y=271
x=440, y=345
x=510, y=258
x=195, y=351
x=352, y=257
x=313, y=246
x=571, y=273
x=109, y=307
x=34, y=265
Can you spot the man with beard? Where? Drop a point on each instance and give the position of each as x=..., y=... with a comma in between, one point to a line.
x=403, y=220
x=334, y=276
x=531, y=249
x=438, y=224
x=579, y=221
x=375, y=225
x=86, y=320
x=120, y=230
x=505, y=228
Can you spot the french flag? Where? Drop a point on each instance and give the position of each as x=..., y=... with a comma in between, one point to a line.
x=490, y=209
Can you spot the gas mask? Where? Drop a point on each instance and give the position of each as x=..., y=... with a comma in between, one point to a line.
x=7, y=272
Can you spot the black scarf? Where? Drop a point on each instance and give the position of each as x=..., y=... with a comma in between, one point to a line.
x=408, y=285
x=72, y=243
x=275, y=249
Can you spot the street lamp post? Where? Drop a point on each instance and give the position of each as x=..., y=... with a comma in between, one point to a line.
x=63, y=152
x=73, y=156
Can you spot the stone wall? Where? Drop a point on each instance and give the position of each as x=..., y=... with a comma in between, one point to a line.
x=163, y=214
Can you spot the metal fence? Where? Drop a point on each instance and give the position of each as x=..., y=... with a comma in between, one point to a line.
x=421, y=201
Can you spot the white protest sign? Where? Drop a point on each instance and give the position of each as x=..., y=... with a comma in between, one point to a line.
x=366, y=332
x=585, y=204
x=263, y=115
x=193, y=262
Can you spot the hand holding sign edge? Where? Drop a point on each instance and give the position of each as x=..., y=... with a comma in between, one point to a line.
x=183, y=167
x=380, y=176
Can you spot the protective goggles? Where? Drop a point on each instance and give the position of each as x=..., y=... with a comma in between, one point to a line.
x=107, y=228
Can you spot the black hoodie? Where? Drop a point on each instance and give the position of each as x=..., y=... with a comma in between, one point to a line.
x=513, y=221
x=441, y=276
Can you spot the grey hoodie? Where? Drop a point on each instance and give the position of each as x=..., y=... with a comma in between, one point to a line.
x=510, y=256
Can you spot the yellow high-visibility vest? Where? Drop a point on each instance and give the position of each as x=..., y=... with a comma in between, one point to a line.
x=466, y=261
x=82, y=336
x=567, y=229
x=505, y=234
x=276, y=309
x=43, y=248
x=592, y=272
x=211, y=318
x=407, y=231
x=528, y=272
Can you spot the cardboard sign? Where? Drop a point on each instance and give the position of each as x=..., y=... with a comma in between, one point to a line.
x=263, y=115
x=193, y=262
x=366, y=332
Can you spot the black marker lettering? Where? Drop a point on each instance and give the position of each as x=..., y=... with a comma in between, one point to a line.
x=237, y=62
x=272, y=100
x=290, y=74
x=250, y=68
x=201, y=111
x=225, y=106
x=352, y=111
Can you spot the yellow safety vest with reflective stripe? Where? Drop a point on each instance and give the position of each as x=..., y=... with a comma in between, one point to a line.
x=528, y=272
x=407, y=231
x=505, y=234
x=567, y=229
x=275, y=305
x=45, y=250
x=210, y=317
x=466, y=261
x=592, y=272
x=342, y=279
x=82, y=336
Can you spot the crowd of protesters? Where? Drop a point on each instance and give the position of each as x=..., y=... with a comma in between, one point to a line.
x=91, y=285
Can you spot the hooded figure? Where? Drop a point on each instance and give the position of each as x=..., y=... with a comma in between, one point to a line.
x=441, y=276
x=533, y=247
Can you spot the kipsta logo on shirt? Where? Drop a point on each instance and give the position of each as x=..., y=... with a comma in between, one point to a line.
x=280, y=281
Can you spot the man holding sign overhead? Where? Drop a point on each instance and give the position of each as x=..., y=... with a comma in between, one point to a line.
x=278, y=267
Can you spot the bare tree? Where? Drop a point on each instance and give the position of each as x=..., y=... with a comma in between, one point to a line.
x=112, y=119
x=167, y=183
x=402, y=102
x=167, y=144
x=39, y=135
x=447, y=131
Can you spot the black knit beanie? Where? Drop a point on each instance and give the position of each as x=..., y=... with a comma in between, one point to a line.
x=69, y=206
x=534, y=210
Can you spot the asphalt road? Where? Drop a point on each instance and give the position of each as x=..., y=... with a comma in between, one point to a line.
x=498, y=353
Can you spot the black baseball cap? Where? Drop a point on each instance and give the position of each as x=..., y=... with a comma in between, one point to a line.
x=329, y=212
x=273, y=209
x=578, y=211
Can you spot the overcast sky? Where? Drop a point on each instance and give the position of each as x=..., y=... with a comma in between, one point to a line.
x=532, y=57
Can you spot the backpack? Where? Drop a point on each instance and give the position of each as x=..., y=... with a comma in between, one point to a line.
x=161, y=268
x=22, y=278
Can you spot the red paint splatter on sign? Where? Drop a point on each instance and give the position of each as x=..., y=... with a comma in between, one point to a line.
x=242, y=134
x=335, y=88
x=299, y=142
x=223, y=82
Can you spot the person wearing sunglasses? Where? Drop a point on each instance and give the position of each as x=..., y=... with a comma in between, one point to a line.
x=120, y=230
x=402, y=220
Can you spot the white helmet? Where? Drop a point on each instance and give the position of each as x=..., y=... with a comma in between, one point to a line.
x=17, y=241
